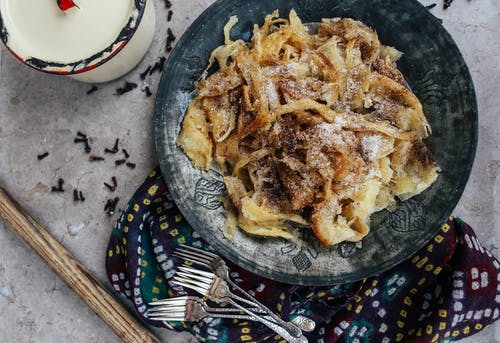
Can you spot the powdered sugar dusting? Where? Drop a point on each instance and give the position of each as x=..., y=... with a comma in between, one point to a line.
x=371, y=145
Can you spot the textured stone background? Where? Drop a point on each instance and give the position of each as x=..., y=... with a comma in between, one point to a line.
x=41, y=112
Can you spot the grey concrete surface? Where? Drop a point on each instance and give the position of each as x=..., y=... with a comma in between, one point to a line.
x=41, y=112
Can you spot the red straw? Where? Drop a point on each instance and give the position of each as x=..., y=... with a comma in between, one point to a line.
x=65, y=5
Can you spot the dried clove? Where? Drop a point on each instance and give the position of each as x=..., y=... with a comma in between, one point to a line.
x=447, y=3
x=112, y=188
x=75, y=195
x=170, y=39
x=158, y=65
x=82, y=199
x=431, y=6
x=82, y=138
x=114, y=150
x=131, y=165
x=148, y=92
x=126, y=88
x=110, y=206
x=92, y=90
x=120, y=162
x=94, y=158
x=59, y=187
x=145, y=73
x=42, y=156
x=169, y=16
x=125, y=152
x=168, y=3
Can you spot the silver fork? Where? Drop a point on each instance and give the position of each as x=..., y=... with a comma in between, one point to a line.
x=216, y=264
x=190, y=309
x=217, y=290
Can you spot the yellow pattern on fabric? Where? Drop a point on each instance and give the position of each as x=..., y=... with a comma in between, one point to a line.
x=445, y=228
x=125, y=229
x=438, y=239
x=400, y=324
x=144, y=263
x=110, y=253
x=359, y=308
x=136, y=207
x=423, y=261
x=478, y=326
x=430, y=247
x=163, y=226
x=156, y=290
x=437, y=270
x=174, y=232
x=421, y=281
x=152, y=190
x=429, y=267
x=428, y=329
x=159, y=210
x=245, y=330
x=466, y=330
x=399, y=337
x=435, y=338
x=178, y=218
x=442, y=325
x=182, y=240
x=152, y=174
x=443, y=313
x=415, y=259
x=146, y=202
x=130, y=217
x=403, y=313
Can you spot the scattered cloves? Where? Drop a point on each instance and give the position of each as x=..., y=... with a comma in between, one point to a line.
x=148, y=92
x=168, y=3
x=114, y=150
x=110, y=206
x=131, y=165
x=59, y=187
x=120, y=162
x=169, y=16
x=126, y=88
x=158, y=65
x=145, y=73
x=431, y=6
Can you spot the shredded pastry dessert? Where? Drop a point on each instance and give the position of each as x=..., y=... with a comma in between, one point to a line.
x=311, y=130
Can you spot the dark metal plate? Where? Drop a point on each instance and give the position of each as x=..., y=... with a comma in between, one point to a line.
x=436, y=72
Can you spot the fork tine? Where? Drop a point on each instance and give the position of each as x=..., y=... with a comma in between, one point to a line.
x=199, y=251
x=203, y=273
x=202, y=291
x=169, y=318
x=195, y=277
x=170, y=301
x=191, y=258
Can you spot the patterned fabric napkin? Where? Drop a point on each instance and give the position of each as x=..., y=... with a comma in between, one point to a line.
x=449, y=290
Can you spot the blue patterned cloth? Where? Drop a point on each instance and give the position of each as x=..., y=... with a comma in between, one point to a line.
x=449, y=290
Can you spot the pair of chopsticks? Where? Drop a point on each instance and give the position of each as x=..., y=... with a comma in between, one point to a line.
x=73, y=273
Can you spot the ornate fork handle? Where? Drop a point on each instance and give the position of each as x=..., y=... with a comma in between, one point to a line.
x=280, y=330
x=220, y=269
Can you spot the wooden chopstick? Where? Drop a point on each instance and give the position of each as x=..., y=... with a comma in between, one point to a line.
x=73, y=273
